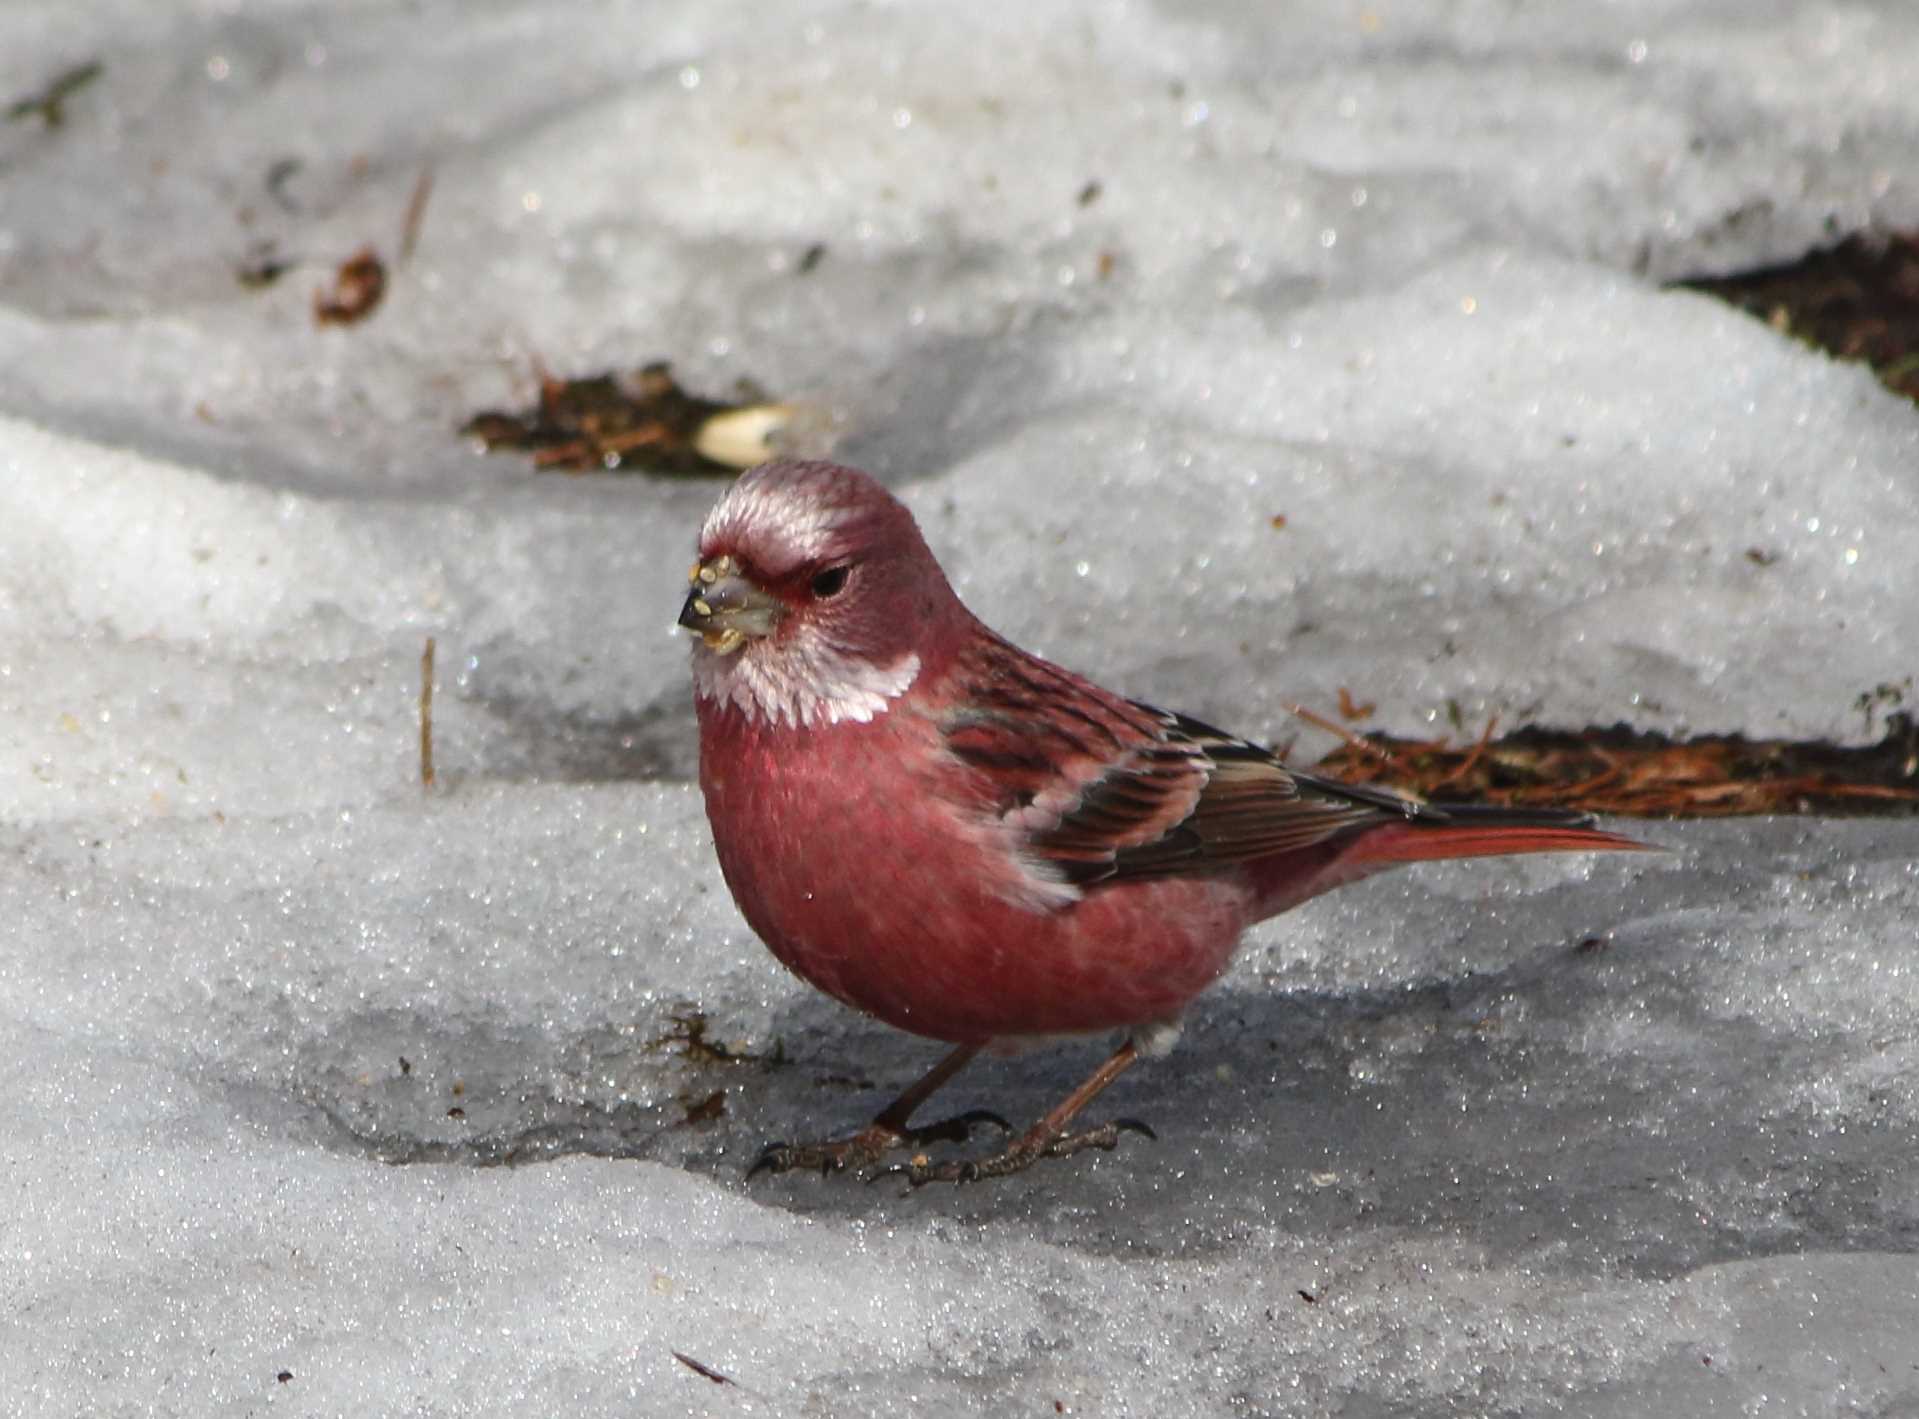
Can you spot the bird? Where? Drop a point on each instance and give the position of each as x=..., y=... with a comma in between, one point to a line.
x=974, y=845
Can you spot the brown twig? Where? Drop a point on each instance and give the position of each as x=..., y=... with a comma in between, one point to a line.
x=426, y=714
x=704, y=1371
x=49, y=105
x=1353, y=740
x=1479, y=751
x=1352, y=709
x=415, y=214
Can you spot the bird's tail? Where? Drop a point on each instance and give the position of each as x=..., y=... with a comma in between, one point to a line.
x=1483, y=830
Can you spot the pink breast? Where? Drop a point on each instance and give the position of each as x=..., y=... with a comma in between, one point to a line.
x=862, y=879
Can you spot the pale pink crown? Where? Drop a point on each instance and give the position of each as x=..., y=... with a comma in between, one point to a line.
x=786, y=514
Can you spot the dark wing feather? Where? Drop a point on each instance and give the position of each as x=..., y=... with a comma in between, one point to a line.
x=1253, y=806
x=1100, y=787
x=1081, y=776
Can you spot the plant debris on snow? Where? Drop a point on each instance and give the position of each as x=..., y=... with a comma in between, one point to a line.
x=1644, y=775
x=49, y=105
x=357, y=289
x=646, y=422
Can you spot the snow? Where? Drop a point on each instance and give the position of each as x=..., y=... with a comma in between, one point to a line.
x=310, y=1073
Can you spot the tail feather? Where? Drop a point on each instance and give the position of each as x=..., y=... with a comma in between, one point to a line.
x=1485, y=831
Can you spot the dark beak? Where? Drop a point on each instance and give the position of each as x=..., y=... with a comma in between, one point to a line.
x=725, y=609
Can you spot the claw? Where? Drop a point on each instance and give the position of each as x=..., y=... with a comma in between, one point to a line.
x=959, y=1127
x=1046, y=1139
x=921, y=1170
x=787, y=1157
x=917, y=1170
x=1105, y=1138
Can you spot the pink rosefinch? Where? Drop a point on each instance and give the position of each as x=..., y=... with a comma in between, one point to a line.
x=933, y=826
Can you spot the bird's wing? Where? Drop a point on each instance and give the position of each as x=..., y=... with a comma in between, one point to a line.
x=1253, y=806
x=1099, y=787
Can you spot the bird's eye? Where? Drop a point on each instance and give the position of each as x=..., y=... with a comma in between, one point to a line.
x=829, y=583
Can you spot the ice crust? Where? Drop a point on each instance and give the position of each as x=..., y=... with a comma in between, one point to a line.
x=323, y=1095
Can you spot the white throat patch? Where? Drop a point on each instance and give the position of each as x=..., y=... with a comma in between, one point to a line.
x=805, y=680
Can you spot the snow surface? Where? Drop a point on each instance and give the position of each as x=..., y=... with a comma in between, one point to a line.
x=1391, y=272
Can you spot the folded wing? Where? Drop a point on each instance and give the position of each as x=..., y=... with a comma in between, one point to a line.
x=1101, y=788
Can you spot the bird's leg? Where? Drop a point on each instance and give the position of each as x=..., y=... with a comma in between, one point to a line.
x=890, y=1129
x=1046, y=1139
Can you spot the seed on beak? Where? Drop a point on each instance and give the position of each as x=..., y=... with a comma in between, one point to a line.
x=726, y=609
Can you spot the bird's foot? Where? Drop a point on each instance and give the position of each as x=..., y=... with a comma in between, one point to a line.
x=870, y=1144
x=1025, y=1152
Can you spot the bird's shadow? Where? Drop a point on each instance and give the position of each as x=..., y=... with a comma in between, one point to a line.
x=1590, y=1102
x=1585, y=1103
x=1504, y=1109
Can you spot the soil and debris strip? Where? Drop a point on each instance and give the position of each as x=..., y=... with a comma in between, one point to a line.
x=1625, y=773
x=1858, y=300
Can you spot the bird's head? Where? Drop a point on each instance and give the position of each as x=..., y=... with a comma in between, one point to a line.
x=814, y=599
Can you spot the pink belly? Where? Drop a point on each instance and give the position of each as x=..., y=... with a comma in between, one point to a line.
x=879, y=896
x=980, y=970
